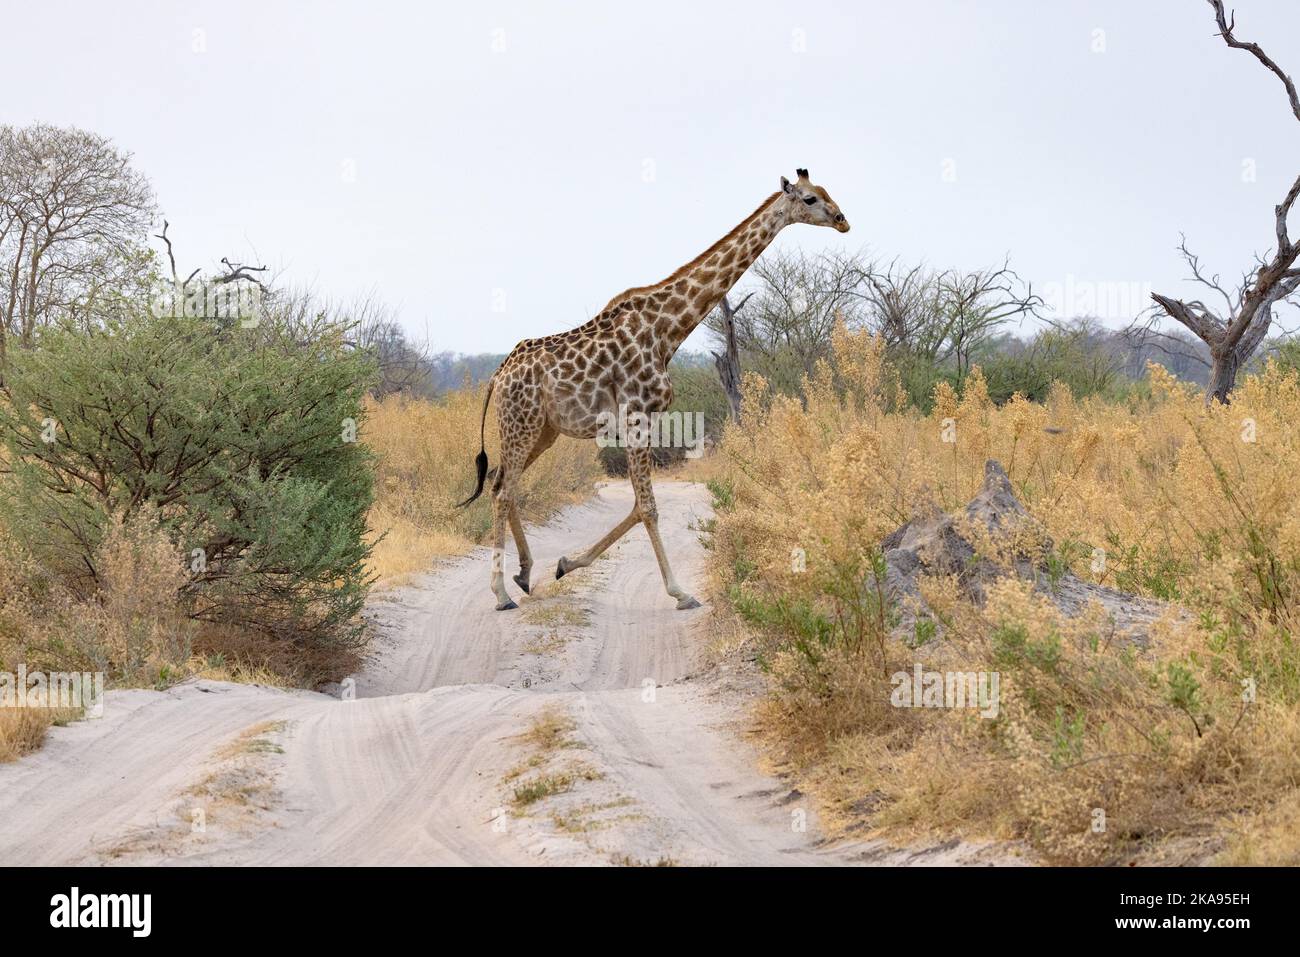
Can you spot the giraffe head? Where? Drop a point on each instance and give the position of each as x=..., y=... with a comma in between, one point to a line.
x=812, y=204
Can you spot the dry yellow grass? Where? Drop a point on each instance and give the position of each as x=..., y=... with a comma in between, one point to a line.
x=1266, y=839
x=702, y=469
x=133, y=629
x=1098, y=754
x=550, y=730
x=22, y=730
x=425, y=451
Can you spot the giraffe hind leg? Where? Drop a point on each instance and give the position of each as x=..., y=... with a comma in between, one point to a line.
x=521, y=545
x=503, y=507
x=544, y=442
x=501, y=504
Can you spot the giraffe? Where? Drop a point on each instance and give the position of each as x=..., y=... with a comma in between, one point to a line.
x=615, y=364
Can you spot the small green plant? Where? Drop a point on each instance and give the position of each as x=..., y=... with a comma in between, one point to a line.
x=1013, y=647
x=1184, y=692
x=923, y=631
x=742, y=568
x=1060, y=560
x=530, y=792
x=724, y=493
x=1156, y=575
x=1067, y=738
x=853, y=614
x=797, y=623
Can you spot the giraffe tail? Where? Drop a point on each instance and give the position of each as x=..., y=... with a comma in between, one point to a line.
x=481, y=460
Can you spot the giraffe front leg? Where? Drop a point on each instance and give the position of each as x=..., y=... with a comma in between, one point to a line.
x=638, y=461
x=567, y=565
x=501, y=504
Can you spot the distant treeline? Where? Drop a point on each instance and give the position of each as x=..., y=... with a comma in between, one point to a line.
x=937, y=325
x=409, y=369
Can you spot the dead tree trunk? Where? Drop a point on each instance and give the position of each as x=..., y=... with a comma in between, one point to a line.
x=728, y=361
x=1235, y=336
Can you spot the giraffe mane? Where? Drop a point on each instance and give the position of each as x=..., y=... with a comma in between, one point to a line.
x=684, y=269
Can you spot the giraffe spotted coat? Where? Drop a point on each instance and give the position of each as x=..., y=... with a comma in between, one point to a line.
x=616, y=363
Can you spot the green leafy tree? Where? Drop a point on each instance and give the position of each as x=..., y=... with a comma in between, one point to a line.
x=243, y=440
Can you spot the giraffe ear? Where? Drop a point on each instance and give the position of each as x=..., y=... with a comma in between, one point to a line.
x=802, y=174
x=785, y=185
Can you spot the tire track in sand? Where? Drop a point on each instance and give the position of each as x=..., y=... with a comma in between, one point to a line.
x=414, y=770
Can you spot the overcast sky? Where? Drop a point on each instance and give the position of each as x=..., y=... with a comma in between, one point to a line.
x=499, y=170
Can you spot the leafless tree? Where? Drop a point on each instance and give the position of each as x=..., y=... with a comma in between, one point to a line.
x=365, y=323
x=728, y=360
x=787, y=326
x=936, y=317
x=73, y=215
x=976, y=304
x=404, y=366
x=1235, y=334
x=942, y=316
x=903, y=305
x=1179, y=351
x=224, y=309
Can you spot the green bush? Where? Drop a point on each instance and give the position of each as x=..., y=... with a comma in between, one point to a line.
x=1286, y=354
x=1068, y=356
x=696, y=389
x=919, y=376
x=242, y=440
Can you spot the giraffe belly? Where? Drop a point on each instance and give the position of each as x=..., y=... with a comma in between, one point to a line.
x=577, y=415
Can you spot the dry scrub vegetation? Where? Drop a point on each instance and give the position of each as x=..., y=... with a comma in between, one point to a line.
x=135, y=627
x=138, y=626
x=182, y=496
x=425, y=464
x=1189, y=749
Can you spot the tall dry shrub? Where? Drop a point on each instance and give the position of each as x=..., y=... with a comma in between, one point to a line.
x=134, y=626
x=1159, y=496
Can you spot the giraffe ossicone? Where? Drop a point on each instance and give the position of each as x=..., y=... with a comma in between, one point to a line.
x=616, y=364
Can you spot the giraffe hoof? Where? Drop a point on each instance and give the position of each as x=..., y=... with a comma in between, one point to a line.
x=560, y=570
x=686, y=602
x=506, y=605
x=522, y=581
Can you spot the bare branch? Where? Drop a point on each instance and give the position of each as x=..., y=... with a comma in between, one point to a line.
x=1281, y=212
x=1194, y=263
x=171, y=254
x=238, y=271
x=1198, y=319
x=1245, y=325
x=1225, y=30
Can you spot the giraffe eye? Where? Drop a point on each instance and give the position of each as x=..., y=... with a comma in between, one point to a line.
x=811, y=200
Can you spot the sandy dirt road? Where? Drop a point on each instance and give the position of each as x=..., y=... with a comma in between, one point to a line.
x=427, y=757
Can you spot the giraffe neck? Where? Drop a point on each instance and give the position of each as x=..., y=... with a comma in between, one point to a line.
x=711, y=275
